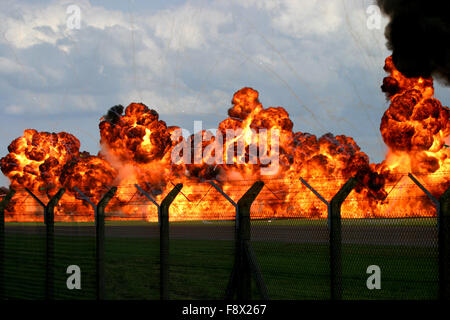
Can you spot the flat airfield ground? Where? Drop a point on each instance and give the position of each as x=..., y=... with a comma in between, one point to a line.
x=419, y=232
x=293, y=256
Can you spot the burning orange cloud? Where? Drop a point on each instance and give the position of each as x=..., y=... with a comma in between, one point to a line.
x=137, y=148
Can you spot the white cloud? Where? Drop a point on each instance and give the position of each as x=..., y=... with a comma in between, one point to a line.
x=8, y=66
x=49, y=103
x=14, y=109
x=305, y=18
x=191, y=57
x=300, y=18
x=188, y=26
x=35, y=24
x=184, y=103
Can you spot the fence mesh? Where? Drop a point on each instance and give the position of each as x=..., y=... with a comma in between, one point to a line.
x=290, y=239
x=201, y=248
x=293, y=253
x=131, y=247
x=24, y=264
x=24, y=256
x=74, y=246
x=404, y=249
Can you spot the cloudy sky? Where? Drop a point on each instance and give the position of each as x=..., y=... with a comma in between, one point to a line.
x=317, y=59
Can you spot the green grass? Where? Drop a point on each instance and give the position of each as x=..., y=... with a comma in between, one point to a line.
x=200, y=269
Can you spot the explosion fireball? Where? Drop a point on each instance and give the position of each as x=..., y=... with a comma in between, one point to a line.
x=137, y=148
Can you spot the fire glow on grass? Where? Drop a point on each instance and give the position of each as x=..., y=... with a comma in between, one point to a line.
x=136, y=147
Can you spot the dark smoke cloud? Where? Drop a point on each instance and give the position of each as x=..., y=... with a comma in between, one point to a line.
x=3, y=191
x=418, y=35
x=113, y=114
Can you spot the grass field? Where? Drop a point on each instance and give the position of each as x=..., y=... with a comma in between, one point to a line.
x=200, y=268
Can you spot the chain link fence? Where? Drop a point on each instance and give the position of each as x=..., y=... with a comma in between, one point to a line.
x=236, y=242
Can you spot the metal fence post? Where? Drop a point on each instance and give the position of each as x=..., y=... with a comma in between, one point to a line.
x=334, y=228
x=321, y=198
x=336, y=238
x=244, y=260
x=149, y=197
x=3, y=205
x=429, y=195
x=50, y=230
x=444, y=246
x=100, y=241
x=163, y=221
x=243, y=267
x=230, y=201
x=232, y=281
x=164, y=241
x=99, y=214
x=442, y=212
x=49, y=219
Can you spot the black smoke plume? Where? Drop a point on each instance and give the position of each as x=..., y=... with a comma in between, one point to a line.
x=113, y=114
x=418, y=35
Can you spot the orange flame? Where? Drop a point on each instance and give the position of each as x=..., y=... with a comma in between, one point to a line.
x=137, y=148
